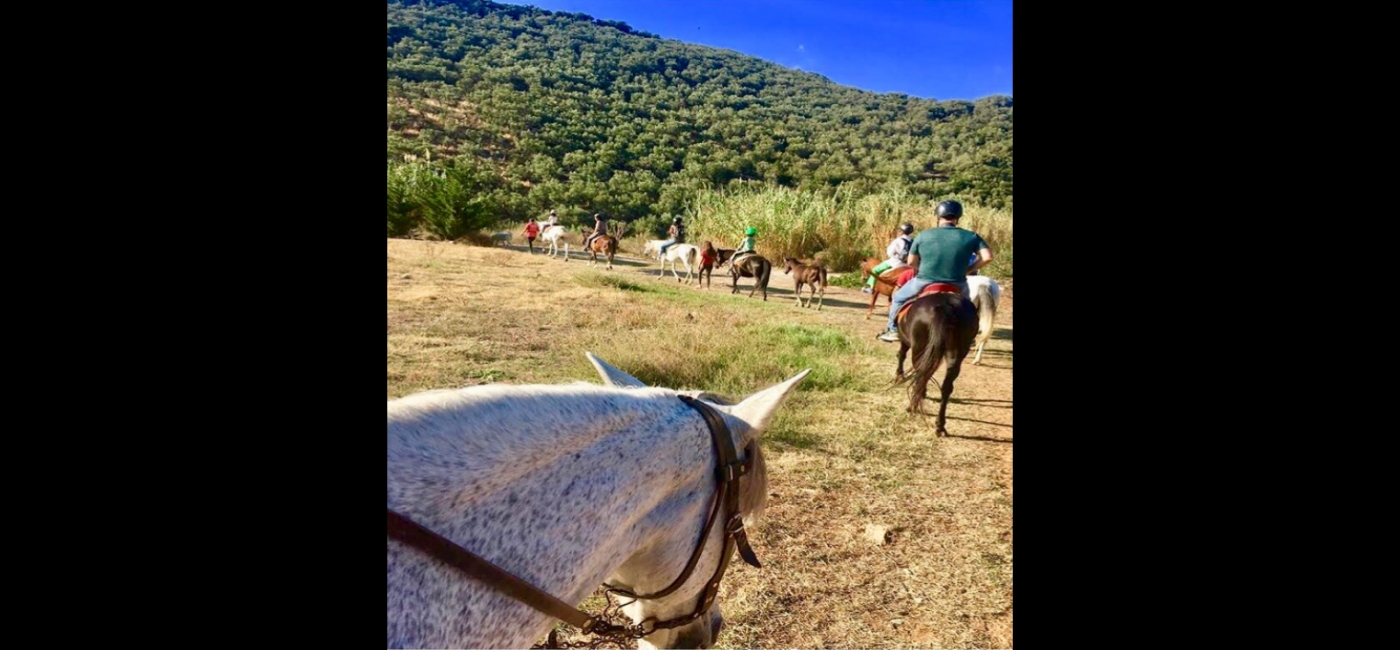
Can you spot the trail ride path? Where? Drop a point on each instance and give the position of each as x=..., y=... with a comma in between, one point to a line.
x=877, y=534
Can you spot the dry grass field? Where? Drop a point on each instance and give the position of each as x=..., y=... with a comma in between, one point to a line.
x=877, y=534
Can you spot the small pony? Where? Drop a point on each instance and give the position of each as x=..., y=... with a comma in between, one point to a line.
x=552, y=236
x=812, y=275
x=751, y=265
x=605, y=244
x=687, y=254
x=939, y=325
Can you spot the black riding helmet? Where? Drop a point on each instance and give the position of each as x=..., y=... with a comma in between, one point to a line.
x=949, y=210
x=907, y=228
x=676, y=220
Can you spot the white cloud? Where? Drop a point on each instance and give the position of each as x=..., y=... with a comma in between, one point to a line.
x=801, y=48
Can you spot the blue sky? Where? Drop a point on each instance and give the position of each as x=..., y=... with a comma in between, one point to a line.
x=935, y=49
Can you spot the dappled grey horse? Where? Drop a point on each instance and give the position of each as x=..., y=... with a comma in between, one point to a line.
x=568, y=487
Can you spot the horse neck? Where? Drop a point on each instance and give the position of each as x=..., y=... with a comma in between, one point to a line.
x=559, y=485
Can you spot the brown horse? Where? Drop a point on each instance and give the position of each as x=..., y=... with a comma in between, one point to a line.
x=884, y=285
x=939, y=327
x=606, y=244
x=813, y=275
x=751, y=265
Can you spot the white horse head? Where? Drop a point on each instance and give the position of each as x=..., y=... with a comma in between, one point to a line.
x=653, y=248
x=566, y=487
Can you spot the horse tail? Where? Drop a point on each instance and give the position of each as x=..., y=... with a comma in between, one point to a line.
x=942, y=328
x=986, y=303
x=821, y=273
x=767, y=270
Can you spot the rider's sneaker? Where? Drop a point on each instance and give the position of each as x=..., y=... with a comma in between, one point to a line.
x=865, y=289
x=891, y=336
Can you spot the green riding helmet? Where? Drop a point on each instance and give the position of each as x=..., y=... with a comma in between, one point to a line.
x=751, y=231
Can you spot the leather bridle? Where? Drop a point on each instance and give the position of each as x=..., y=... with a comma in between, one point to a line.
x=729, y=469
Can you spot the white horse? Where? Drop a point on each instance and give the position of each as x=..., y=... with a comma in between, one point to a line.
x=552, y=236
x=985, y=293
x=653, y=248
x=687, y=254
x=564, y=486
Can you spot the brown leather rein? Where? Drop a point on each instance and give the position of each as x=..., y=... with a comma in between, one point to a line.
x=729, y=469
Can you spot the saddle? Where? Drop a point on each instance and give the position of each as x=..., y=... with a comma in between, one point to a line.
x=937, y=287
x=891, y=276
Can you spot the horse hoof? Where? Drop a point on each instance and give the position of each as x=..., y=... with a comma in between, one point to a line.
x=942, y=433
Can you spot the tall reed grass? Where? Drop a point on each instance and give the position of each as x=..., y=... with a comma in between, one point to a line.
x=839, y=229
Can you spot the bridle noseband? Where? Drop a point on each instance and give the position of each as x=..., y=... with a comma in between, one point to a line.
x=728, y=470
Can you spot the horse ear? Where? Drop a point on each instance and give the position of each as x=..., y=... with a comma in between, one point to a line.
x=757, y=409
x=612, y=376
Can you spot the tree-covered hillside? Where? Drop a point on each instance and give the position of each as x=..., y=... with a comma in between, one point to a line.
x=523, y=110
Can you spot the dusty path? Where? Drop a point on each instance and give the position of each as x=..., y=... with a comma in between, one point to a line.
x=846, y=462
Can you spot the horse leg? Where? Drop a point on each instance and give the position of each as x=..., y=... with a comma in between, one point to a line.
x=952, y=373
x=820, y=296
x=797, y=293
x=903, y=352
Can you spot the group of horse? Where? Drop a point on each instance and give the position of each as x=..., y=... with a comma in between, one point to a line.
x=699, y=263
x=552, y=236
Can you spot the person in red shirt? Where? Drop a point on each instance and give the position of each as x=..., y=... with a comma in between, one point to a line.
x=532, y=230
x=708, y=257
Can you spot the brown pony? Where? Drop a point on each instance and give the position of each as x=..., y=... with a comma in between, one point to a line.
x=884, y=285
x=606, y=244
x=751, y=265
x=813, y=275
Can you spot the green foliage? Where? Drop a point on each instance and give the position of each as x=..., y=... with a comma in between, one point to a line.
x=444, y=203
x=568, y=111
x=850, y=280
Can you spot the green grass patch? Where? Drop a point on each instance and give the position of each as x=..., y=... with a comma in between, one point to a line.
x=607, y=281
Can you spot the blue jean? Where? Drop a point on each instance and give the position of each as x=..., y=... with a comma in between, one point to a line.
x=908, y=292
x=669, y=243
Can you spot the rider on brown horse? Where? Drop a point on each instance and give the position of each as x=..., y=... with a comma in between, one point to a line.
x=940, y=255
x=600, y=227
